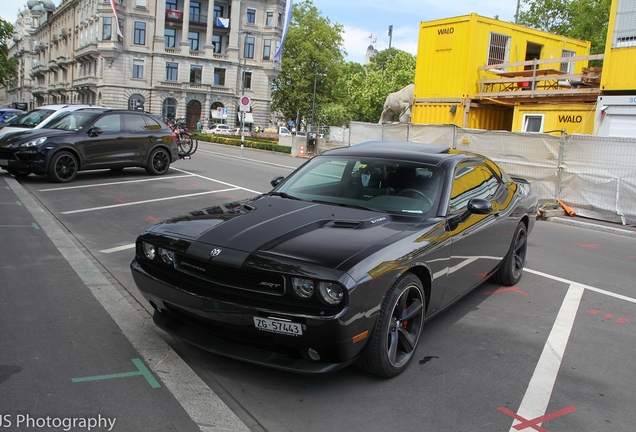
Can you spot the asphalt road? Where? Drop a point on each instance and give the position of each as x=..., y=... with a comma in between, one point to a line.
x=553, y=353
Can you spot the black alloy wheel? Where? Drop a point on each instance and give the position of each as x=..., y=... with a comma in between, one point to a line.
x=397, y=330
x=159, y=162
x=63, y=167
x=512, y=265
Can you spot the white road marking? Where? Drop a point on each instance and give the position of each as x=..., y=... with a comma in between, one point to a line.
x=146, y=201
x=113, y=183
x=535, y=402
x=219, y=181
x=119, y=248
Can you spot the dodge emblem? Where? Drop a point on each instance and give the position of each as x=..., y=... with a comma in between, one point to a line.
x=215, y=252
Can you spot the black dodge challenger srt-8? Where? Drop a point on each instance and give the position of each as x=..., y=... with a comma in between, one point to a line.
x=342, y=262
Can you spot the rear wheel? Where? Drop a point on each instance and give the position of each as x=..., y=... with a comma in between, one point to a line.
x=159, y=162
x=511, y=268
x=397, y=330
x=186, y=144
x=63, y=167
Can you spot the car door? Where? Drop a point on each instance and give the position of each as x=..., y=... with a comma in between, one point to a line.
x=107, y=148
x=476, y=239
x=141, y=132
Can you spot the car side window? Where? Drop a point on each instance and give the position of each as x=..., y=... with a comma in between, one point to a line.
x=151, y=124
x=110, y=123
x=134, y=123
x=472, y=181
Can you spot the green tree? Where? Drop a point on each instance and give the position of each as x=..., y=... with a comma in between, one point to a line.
x=8, y=67
x=312, y=55
x=579, y=19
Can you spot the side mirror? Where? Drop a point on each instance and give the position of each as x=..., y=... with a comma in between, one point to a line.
x=95, y=131
x=276, y=181
x=480, y=206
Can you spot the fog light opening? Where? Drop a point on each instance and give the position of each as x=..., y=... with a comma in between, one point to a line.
x=313, y=354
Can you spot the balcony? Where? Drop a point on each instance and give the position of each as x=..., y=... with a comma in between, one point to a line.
x=90, y=50
x=532, y=83
x=87, y=81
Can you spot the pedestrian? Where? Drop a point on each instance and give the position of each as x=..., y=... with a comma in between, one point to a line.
x=199, y=126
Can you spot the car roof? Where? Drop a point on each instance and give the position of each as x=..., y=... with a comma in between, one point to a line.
x=398, y=150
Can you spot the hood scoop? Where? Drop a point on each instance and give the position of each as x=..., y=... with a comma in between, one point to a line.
x=344, y=224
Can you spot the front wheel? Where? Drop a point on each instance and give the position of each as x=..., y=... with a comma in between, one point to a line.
x=159, y=162
x=511, y=268
x=63, y=167
x=397, y=330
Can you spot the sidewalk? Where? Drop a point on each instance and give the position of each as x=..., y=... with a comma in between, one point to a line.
x=595, y=225
x=76, y=355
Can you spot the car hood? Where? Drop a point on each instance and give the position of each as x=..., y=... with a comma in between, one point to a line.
x=17, y=135
x=317, y=234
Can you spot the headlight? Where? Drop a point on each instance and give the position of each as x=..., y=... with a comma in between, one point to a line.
x=330, y=292
x=149, y=250
x=166, y=255
x=304, y=288
x=34, y=143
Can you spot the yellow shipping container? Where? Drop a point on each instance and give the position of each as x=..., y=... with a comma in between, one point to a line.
x=572, y=118
x=619, y=63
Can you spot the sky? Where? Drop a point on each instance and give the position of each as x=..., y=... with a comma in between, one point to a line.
x=362, y=19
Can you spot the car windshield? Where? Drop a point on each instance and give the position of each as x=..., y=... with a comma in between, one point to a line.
x=376, y=184
x=72, y=121
x=31, y=119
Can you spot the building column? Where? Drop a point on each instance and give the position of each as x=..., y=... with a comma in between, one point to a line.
x=186, y=25
x=235, y=26
x=209, y=31
x=160, y=25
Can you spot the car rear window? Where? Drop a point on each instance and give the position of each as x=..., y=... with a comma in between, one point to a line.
x=32, y=118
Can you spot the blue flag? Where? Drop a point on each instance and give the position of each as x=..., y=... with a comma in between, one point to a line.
x=288, y=14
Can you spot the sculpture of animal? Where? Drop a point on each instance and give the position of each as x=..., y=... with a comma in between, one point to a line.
x=398, y=104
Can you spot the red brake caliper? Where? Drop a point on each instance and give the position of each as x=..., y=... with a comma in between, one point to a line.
x=405, y=323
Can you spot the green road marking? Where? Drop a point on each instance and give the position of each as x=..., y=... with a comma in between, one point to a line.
x=141, y=370
x=33, y=225
x=13, y=203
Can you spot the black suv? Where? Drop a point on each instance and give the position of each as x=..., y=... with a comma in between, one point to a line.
x=90, y=139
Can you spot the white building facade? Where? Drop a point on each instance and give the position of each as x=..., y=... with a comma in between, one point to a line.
x=176, y=58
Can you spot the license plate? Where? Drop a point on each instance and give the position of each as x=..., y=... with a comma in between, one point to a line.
x=4, y=162
x=278, y=326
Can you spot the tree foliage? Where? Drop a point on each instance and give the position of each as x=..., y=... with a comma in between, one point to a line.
x=8, y=67
x=579, y=19
x=312, y=56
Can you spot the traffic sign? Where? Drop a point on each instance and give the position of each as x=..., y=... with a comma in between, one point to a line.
x=245, y=103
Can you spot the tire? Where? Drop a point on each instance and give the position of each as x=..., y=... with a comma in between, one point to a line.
x=116, y=169
x=159, y=162
x=397, y=330
x=186, y=144
x=511, y=268
x=63, y=167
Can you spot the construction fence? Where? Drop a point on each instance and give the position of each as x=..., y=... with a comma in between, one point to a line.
x=594, y=176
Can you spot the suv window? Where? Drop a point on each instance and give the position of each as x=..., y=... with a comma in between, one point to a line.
x=134, y=123
x=110, y=123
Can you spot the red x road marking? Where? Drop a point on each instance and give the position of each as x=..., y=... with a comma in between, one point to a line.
x=500, y=290
x=534, y=423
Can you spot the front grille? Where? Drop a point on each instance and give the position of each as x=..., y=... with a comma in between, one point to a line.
x=6, y=153
x=246, y=279
x=27, y=156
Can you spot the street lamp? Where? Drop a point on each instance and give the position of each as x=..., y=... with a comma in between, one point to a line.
x=243, y=90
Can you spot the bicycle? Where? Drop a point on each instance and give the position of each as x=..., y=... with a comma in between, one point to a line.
x=186, y=144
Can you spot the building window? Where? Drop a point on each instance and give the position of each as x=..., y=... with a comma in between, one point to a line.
x=172, y=71
x=218, y=11
x=532, y=123
x=216, y=43
x=219, y=77
x=138, y=68
x=248, y=49
x=169, y=109
x=498, y=49
x=193, y=38
x=171, y=4
x=279, y=23
x=136, y=102
x=247, y=82
x=196, y=74
x=251, y=16
x=140, y=33
x=267, y=49
x=107, y=28
x=269, y=19
x=195, y=12
x=171, y=36
x=569, y=66
x=625, y=25
x=142, y=3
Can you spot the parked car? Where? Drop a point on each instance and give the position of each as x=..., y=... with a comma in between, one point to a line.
x=237, y=131
x=89, y=139
x=342, y=262
x=39, y=117
x=7, y=113
x=221, y=129
x=283, y=131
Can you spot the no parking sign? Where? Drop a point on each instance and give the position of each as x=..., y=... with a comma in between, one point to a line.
x=245, y=103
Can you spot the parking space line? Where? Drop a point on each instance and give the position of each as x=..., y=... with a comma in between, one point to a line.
x=118, y=248
x=141, y=370
x=147, y=201
x=218, y=181
x=113, y=183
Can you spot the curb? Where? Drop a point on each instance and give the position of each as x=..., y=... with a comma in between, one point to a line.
x=593, y=226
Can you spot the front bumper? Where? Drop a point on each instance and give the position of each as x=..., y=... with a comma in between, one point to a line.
x=228, y=329
x=31, y=161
